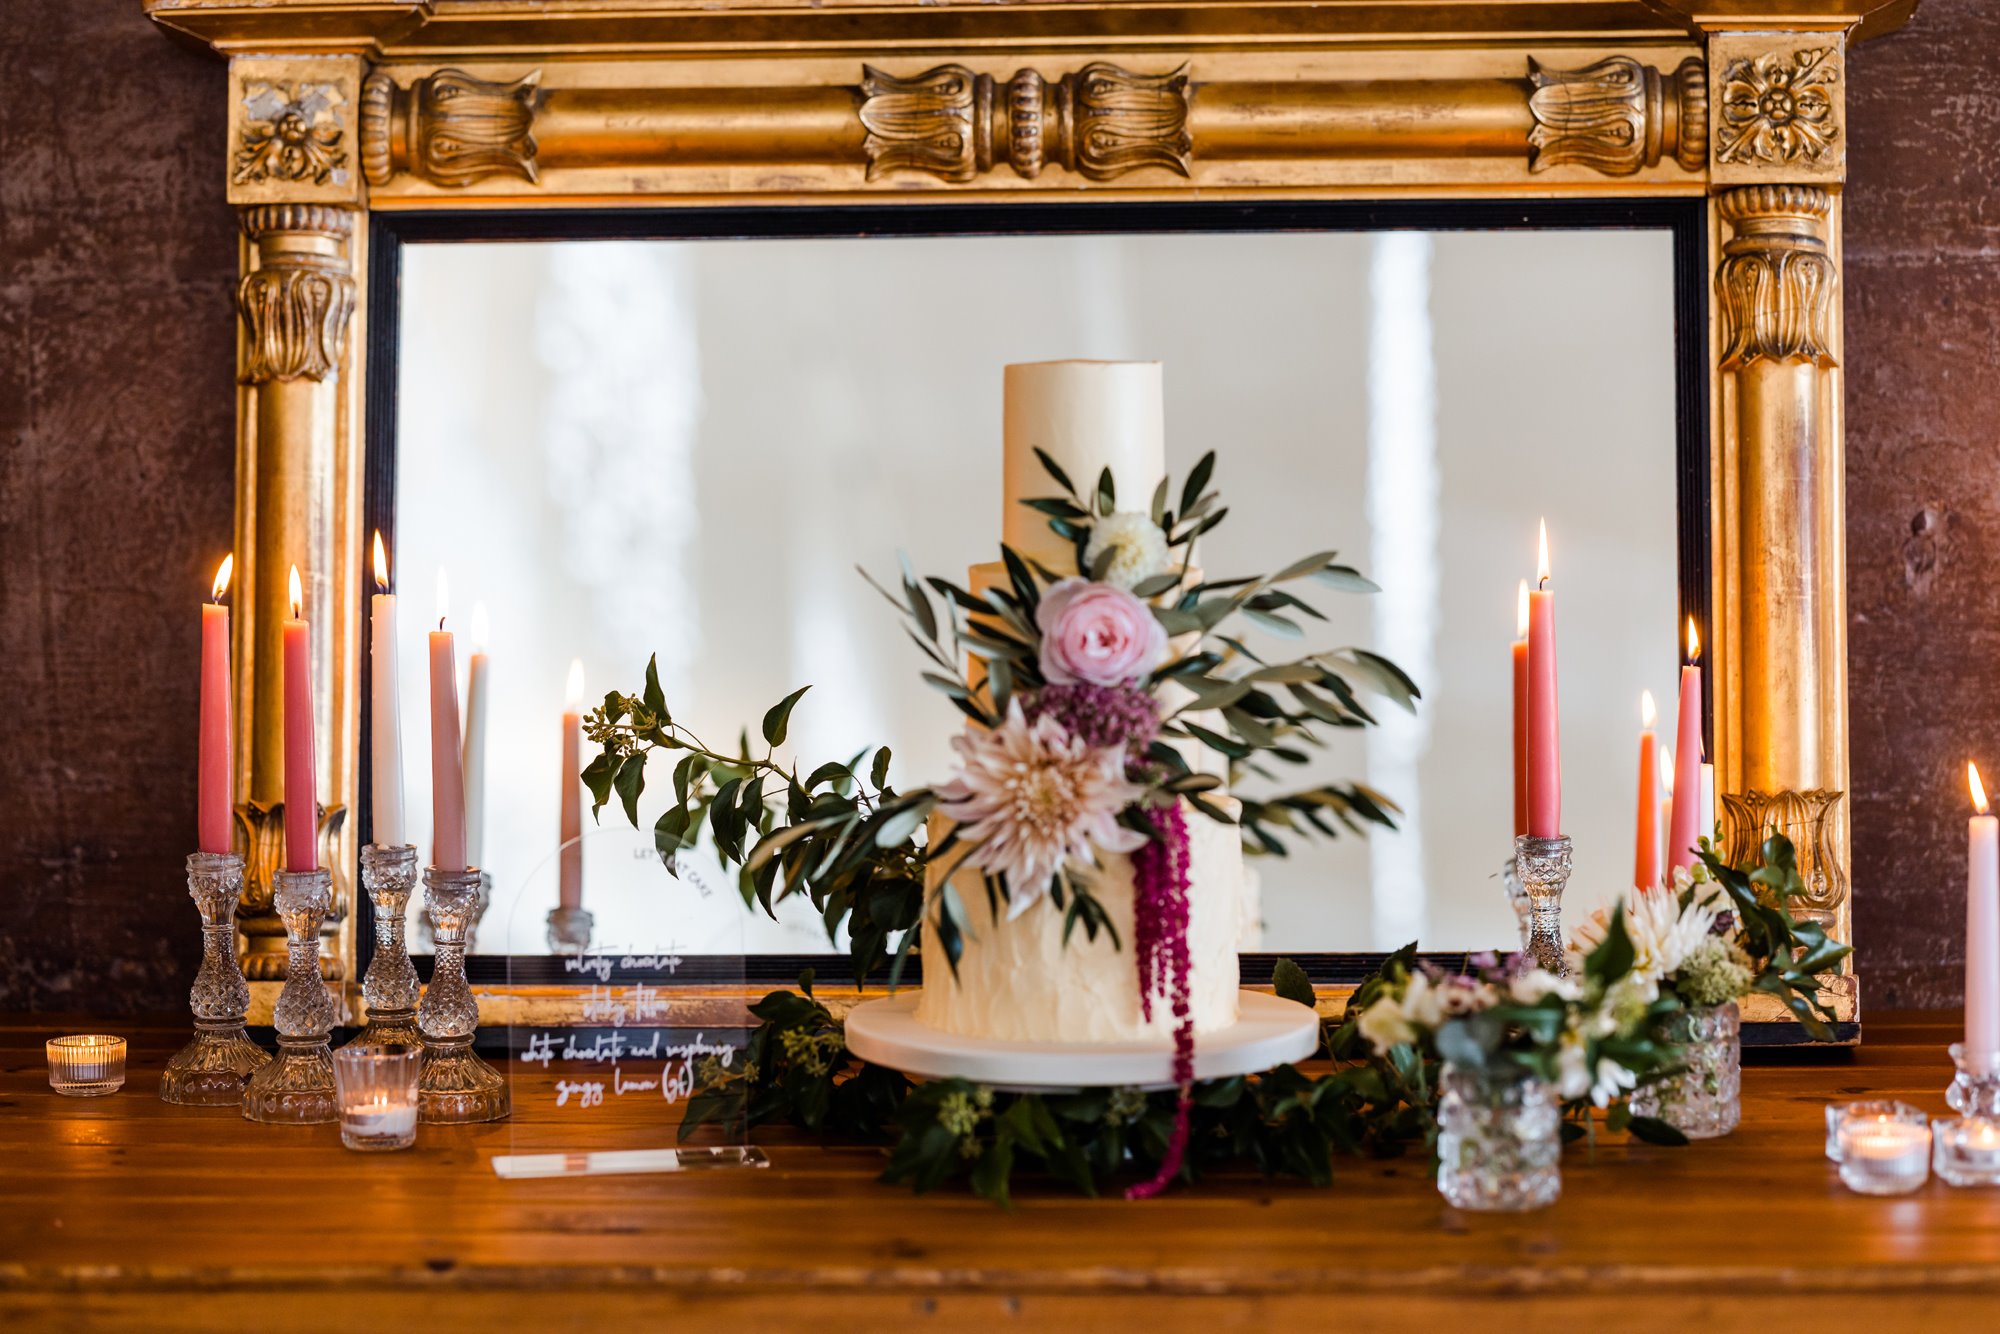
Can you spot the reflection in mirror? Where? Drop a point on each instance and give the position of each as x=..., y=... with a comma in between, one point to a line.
x=683, y=448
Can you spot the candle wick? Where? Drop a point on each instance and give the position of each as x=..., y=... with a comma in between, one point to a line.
x=440, y=623
x=1542, y=582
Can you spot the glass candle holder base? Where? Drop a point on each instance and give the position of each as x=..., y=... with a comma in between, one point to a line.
x=386, y=1028
x=456, y=1087
x=212, y=1069
x=295, y=1089
x=569, y=930
x=1975, y=1090
x=88, y=1065
x=1965, y=1151
x=389, y=991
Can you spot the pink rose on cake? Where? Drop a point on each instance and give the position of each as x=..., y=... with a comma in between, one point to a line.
x=1098, y=634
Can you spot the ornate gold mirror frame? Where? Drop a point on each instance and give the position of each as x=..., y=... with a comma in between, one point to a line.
x=340, y=107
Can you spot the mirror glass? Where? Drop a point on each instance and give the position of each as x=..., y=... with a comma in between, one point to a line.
x=684, y=448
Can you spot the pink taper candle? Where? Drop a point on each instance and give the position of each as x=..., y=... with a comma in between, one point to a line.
x=301, y=784
x=1520, y=656
x=1544, y=733
x=1646, y=855
x=212, y=794
x=447, y=773
x=1685, y=830
x=1982, y=930
x=569, y=885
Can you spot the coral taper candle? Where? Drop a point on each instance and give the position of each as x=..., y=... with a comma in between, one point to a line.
x=1520, y=656
x=385, y=714
x=1666, y=772
x=1646, y=856
x=212, y=783
x=1982, y=930
x=569, y=885
x=1544, y=732
x=301, y=784
x=1685, y=830
x=472, y=753
x=447, y=775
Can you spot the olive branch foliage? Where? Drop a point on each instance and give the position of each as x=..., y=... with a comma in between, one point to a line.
x=1792, y=958
x=849, y=841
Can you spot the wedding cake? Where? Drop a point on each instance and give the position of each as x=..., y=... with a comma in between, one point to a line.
x=1016, y=978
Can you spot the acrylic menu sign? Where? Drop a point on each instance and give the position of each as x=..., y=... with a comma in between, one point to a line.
x=616, y=1022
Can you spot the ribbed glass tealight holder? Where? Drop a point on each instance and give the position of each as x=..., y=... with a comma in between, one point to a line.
x=87, y=1065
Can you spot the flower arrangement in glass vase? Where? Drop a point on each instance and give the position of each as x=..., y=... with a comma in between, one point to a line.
x=1712, y=935
x=1106, y=698
x=1516, y=1047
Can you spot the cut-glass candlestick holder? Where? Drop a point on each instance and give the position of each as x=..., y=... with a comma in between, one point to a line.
x=1543, y=865
x=297, y=1087
x=454, y=1086
x=212, y=1069
x=389, y=990
x=569, y=930
x=1517, y=897
x=1975, y=1090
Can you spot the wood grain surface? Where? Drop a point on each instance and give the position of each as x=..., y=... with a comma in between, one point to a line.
x=125, y=1213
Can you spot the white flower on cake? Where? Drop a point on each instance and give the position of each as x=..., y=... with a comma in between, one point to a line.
x=1031, y=798
x=1138, y=548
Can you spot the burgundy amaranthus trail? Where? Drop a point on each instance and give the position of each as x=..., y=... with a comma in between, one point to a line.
x=1159, y=931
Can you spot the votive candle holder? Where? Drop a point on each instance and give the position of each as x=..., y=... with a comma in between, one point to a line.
x=1880, y=1109
x=1883, y=1156
x=86, y=1065
x=1965, y=1150
x=376, y=1087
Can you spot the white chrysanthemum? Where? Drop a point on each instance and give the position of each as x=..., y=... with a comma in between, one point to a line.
x=1384, y=1025
x=1536, y=983
x=1138, y=548
x=1662, y=935
x=1572, y=1065
x=1031, y=798
x=1612, y=1079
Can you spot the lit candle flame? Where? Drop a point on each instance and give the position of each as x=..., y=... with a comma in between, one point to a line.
x=1666, y=772
x=1693, y=642
x=1647, y=713
x=1521, y=612
x=381, y=564
x=298, y=593
x=443, y=597
x=480, y=628
x=222, y=573
x=573, y=690
x=1978, y=788
x=1542, y=565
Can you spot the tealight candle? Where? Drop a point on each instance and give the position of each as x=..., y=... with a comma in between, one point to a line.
x=1883, y=1157
x=376, y=1086
x=1967, y=1151
x=1878, y=1109
x=87, y=1065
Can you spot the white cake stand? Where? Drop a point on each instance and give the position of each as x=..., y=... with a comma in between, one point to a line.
x=1268, y=1031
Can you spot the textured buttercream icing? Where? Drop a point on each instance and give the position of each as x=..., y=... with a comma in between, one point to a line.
x=1018, y=981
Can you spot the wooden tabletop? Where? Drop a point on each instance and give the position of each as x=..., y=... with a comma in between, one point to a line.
x=123, y=1212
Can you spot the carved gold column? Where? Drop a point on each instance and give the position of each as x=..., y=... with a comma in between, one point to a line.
x=1777, y=160
x=296, y=181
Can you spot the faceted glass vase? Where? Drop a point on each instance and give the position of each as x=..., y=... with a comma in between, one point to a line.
x=1704, y=1100
x=1499, y=1140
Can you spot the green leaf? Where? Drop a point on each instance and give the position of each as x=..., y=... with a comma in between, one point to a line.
x=599, y=775
x=1158, y=509
x=1158, y=584
x=1290, y=982
x=631, y=781
x=1346, y=579
x=654, y=697
x=1655, y=1131
x=1107, y=493
x=1307, y=565
x=1197, y=479
x=1050, y=466
x=879, y=773
x=1277, y=625
x=897, y=829
x=778, y=720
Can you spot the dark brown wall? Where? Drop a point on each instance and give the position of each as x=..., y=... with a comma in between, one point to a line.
x=1923, y=481
x=117, y=257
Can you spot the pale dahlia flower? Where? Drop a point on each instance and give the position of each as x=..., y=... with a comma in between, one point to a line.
x=1661, y=933
x=1030, y=798
x=1138, y=548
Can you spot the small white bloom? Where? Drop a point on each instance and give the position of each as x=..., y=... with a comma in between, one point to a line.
x=1423, y=1003
x=1384, y=1025
x=1138, y=548
x=1532, y=986
x=1572, y=1066
x=1661, y=934
x=1612, y=1080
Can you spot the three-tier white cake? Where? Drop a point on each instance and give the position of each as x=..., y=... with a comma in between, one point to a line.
x=1016, y=978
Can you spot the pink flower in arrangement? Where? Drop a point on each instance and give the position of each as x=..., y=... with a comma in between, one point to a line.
x=1030, y=797
x=1096, y=633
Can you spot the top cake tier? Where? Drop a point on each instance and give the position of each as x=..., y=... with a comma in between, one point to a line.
x=1088, y=416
